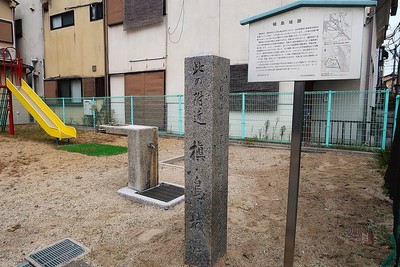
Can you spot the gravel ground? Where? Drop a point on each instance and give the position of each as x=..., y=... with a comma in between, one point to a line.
x=47, y=195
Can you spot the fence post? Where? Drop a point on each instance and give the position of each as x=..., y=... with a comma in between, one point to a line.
x=94, y=109
x=396, y=109
x=385, y=119
x=131, y=109
x=63, y=109
x=328, y=119
x=243, y=115
x=180, y=115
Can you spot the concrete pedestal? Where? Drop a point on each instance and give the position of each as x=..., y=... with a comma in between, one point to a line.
x=142, y=154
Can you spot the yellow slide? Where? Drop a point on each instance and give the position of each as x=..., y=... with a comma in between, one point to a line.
x=46, y=118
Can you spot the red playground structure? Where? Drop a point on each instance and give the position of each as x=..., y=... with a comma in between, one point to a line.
x=12, y=69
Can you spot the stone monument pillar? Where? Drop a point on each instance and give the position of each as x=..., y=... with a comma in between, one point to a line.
x=206, y=158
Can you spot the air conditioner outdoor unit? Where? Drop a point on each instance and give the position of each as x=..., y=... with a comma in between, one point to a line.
x=10, y=55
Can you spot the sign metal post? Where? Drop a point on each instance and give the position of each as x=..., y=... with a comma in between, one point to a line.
x=294, y=172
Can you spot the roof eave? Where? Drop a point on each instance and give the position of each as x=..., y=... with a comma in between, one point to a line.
x=306, y=3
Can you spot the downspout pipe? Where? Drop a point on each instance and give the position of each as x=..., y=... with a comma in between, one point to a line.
x=13, y=30
x=106, y=53
x=366, y=83
x=34, y=63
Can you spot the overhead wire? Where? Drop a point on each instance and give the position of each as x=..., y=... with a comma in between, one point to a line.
x=394, y=32
x=181, y=17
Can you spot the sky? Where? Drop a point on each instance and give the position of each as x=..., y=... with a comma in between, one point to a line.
x=393, y=22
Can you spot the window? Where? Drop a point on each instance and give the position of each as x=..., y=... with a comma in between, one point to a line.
x=93, y=87
x=71, y=88
x=18, y=28
x=62, y=20
x=96, y=11
x=164, y=7
x=100, y=89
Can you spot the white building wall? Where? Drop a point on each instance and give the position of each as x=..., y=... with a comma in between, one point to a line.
x=117, y=84
x=190, y=28
x=137, y=50
x=208, y=27
x=197, y=33
x=20, y=114
x=31, y=45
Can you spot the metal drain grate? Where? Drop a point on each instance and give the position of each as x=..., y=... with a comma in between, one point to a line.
x=57, y=254
x=164, y=192
x=25, y=264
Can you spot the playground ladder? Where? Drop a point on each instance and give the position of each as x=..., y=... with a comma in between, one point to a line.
x=3, y=108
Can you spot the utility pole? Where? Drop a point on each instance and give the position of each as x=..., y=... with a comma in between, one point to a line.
x=398, y=71
x=382, y=56
x=394, y=86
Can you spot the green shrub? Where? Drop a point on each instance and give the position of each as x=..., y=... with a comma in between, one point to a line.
x=383, y=159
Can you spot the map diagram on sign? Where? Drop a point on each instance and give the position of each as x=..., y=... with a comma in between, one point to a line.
x=336, y=48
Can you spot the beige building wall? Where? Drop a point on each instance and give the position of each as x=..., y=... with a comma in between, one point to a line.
x=5, y=10
x=74, y=51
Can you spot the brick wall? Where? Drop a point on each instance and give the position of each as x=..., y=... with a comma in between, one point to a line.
x=50, y=89
x=89, y=87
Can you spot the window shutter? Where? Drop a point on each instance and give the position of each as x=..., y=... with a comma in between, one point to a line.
x=115, y=12
x=6, y=31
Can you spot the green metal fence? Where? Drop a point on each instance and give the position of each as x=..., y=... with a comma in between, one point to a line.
x=3, y=109
x=331, y=118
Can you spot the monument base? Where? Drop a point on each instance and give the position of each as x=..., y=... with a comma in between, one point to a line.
x=165, y=195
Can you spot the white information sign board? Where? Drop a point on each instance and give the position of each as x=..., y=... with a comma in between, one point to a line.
x=308, y=43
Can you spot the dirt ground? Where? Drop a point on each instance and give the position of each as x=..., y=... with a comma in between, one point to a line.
x=47, y=195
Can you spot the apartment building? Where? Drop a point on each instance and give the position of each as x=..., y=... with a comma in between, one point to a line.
x=30, y=41
x=73, y=49
x=149, y=40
